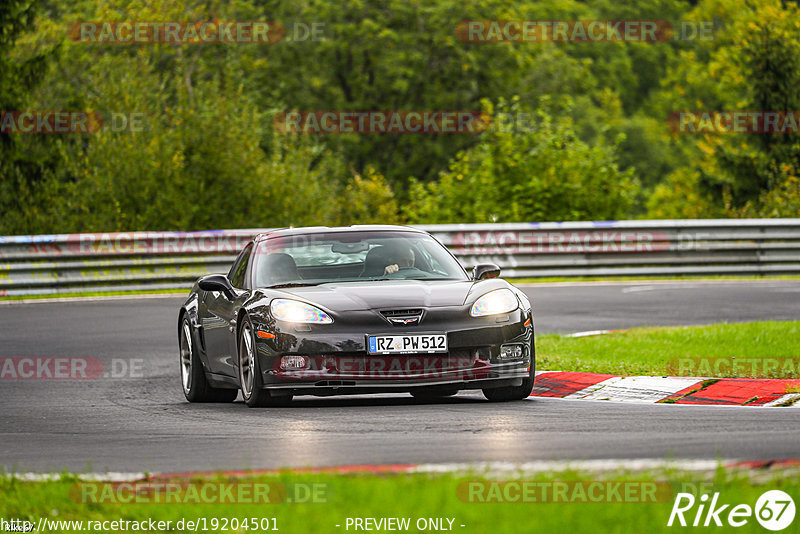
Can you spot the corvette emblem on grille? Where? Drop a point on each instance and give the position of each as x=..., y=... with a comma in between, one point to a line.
x=405, y=321
x=403, y=317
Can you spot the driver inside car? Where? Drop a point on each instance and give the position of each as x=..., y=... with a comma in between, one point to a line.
x=279, y=268
x=402, y=256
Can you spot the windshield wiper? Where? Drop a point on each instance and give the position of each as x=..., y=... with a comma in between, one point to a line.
x=293, y=284
x=386, y=279
x=345, y=280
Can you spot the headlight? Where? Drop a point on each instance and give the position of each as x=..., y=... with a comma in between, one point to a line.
x=294, y=311
x=495, y=302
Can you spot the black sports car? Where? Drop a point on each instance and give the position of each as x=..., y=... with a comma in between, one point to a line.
x=362, y=309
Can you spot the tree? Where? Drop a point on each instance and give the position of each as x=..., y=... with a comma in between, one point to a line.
x=25, y=165
x=751, y=65
x=540, y=173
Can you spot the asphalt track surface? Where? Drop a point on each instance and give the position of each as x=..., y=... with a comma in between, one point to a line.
x=144, y=423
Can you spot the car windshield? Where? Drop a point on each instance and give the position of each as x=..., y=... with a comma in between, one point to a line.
x=311, y=259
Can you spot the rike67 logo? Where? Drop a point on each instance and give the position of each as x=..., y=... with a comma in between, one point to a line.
x=774, y=510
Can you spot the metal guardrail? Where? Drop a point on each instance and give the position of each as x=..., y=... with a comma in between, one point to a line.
x=164, y=260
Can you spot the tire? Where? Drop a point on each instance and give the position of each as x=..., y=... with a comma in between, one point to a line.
x=513, y=393
x=250, y=372
x=431, y=394
x=193, y=378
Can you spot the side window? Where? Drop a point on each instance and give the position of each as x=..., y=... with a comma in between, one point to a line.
x=239, y=268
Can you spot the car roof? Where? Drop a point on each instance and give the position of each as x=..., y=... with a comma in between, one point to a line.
x=282, y=232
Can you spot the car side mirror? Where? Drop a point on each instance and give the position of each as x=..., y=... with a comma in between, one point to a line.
x=217, y=282
x=482, y=271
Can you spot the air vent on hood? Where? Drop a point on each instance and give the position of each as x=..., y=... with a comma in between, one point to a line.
x=401, y=313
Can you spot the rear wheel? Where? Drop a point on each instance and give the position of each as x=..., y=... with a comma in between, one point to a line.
x=250, y=372
x=513, y=393
x=193, y=378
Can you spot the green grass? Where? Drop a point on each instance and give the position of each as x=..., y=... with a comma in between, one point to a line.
x=419, y=496
x=764, y=349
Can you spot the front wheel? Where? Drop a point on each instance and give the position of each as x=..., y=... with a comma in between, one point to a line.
x=512, y=393
x=193, y=378
x=250, y=372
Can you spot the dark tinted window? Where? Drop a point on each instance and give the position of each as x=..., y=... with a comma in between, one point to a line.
x=352, y=257
x=239, y=269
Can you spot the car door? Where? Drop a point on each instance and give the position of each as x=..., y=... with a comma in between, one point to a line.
x=219, y=319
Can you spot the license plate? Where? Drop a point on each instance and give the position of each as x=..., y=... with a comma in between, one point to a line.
x=410, y=344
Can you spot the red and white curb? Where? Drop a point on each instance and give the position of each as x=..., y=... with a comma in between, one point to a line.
x=670, y=390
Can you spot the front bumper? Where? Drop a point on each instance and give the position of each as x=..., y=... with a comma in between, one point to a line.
x=338, y=362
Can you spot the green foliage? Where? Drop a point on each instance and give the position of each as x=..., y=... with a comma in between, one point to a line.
x=780, y=201
x=539, y=172
x=25, y=169
x=769, y=59
x=209, y=156
x=400, y=55
x=679, y=197
x=368, y=200
x=752, y=64
x=206, y=157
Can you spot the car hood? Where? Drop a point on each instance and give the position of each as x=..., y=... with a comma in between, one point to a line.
x=388, y=294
